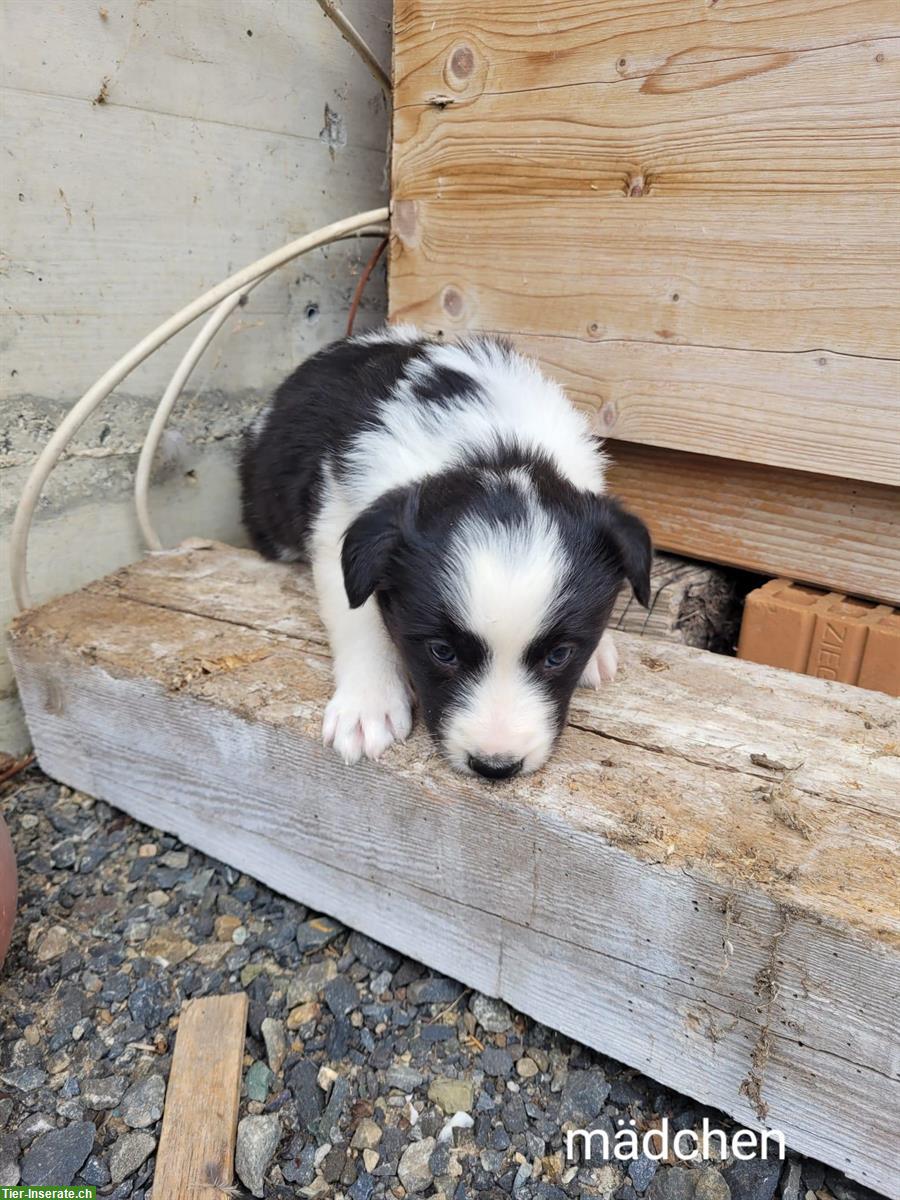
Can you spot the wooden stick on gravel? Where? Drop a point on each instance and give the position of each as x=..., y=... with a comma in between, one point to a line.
x=195, y=1160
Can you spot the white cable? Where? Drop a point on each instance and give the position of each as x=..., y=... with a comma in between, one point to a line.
x=75, y=418
x=359, y=44
x=176, y=386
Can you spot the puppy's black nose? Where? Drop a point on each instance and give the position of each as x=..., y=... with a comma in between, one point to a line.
x=496, y=767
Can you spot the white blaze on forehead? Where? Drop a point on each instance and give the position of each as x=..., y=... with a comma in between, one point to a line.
x=507, y=580
x=507, y=583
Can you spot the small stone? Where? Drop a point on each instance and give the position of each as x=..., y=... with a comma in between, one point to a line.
x=177, y=859
x=105, y=1093
x=225, y=926
x=168, y=947
x=147, y=850
x=310, y=981
x=753, y=1178
x=33, y=1126
x=641, y=1170
x=316, y=933
x=790, y=1185
x=56, y=941
x=367, y=1135
x=372, y=954
x=452, y=1095
x=673, y=1183
x=26, y=1079
x=813, y=1175
x=9, y=1160
x=329, y=1123
x=523, y=1174
x=515, y=1118
x=240, y=935
x=326, y=1077
x=158, y=899
x=492, y=1015
x=415, y=1169
x=257, y=1141
x=128, y=1153
x=710, y=1185
x=276, y=1043
x=142, y=1104
x=137, y=932
x=404, y=1079
x=302, y=1014
x=380, y=985
x=55, y=1157
x=332, y=1164
x=257, y=1082
x=198, y=883
x=433, y=990
x=302, y=1081
x=95, y=1172
x=341, y=996
x=495, y=1061
x=210, y=954
x=149, y=1003
x=371, y=1159
x=527, y=1068
x=31, y=1034
x=583, y=1095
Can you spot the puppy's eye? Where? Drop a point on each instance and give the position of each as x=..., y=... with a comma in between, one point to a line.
x=558, y=657
x=443, y=653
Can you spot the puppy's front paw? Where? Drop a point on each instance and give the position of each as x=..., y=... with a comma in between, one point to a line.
x=602, y=665
x=364, y=719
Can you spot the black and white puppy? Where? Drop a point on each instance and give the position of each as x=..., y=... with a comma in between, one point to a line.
x=449, y=497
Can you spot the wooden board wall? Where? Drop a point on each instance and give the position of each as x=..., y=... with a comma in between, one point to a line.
x=689, y=212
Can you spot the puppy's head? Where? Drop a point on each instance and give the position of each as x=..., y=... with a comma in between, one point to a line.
x=496, y=585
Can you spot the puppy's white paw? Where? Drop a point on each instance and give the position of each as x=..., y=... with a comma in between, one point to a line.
x=602, y=665
x=364, y=719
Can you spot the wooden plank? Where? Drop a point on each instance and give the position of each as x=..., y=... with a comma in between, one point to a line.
x=742, y=870
x=837, y=533
x=731, y=329
x=196, y=1146
x=521, y=44
x=770, y=121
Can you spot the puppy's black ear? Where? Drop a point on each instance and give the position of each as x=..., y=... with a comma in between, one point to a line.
x=631, y=539
x=369, y=544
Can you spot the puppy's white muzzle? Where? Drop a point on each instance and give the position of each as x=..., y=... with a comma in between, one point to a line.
x=504, y=726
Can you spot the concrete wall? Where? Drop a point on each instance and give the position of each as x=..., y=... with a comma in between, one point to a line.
x=151, y=147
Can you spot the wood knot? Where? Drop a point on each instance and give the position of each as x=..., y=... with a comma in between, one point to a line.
x=462, y=62
x=460, y=67
x=452, y=301
x=635, y=185
x=608, y=415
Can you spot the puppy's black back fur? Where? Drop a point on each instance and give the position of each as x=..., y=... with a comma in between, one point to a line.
x=312, y=417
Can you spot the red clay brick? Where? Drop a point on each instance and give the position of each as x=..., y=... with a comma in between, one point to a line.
x=822, y=634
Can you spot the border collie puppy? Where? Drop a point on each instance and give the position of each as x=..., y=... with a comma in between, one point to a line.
x=449, y=498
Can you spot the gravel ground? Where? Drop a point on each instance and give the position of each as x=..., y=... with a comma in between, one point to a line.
x=355, y=1057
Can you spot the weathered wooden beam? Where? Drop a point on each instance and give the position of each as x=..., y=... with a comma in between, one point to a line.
x=701, y=883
